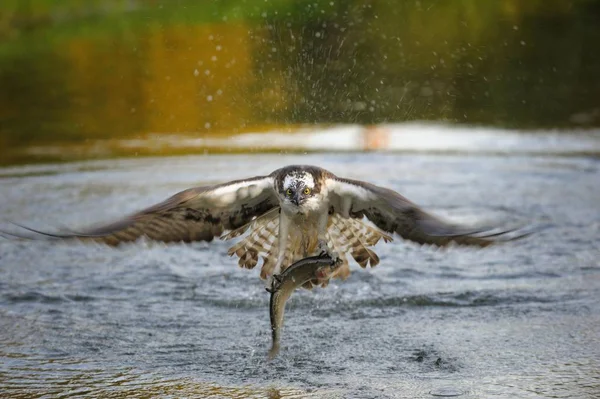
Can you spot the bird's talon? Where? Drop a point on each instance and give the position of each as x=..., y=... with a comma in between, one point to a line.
x=322, y=245
x=326, y=251
x=273, y=282
x=334, y=256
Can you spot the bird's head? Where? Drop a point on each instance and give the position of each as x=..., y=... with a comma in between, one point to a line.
x=299, y=191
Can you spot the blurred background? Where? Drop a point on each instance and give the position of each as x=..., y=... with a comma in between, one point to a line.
x=98, y=78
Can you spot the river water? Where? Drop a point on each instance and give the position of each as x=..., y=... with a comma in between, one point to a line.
x=150, y=320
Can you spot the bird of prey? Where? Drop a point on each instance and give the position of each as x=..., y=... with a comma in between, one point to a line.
x=295, y=212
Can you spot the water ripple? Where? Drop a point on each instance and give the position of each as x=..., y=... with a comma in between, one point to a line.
x=40, y=297
x=183, y=321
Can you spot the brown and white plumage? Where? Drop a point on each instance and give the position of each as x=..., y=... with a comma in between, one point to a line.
x=295, y=212
x=196, y=214
x=344, y=235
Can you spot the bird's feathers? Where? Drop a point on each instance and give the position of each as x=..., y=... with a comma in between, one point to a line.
x=253, y=206
x=344, y=235
x=393, y=213
x=196, y=214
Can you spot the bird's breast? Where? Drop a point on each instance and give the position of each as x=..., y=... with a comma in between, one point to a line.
x=304, y=233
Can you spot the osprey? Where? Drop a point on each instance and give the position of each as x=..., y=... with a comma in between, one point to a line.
x=295, y=212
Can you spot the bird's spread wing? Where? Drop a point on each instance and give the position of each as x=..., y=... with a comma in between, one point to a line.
x=391, y=212
x=196, y=214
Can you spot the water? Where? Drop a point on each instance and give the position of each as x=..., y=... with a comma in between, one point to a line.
x=150, y=320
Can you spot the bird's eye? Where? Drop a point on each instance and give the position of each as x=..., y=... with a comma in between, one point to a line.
x=306, y=191
x=288, y=192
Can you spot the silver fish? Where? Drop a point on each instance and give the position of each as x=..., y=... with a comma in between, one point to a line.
x=316, y=267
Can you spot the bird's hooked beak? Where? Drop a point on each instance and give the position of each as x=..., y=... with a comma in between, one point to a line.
x=296, y=198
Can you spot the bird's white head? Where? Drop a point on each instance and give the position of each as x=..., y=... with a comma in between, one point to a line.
x=300, y=190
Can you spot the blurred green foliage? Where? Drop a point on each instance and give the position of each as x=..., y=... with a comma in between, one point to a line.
x=71, y=70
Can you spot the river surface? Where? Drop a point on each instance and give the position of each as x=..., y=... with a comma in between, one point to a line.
x=520, y=320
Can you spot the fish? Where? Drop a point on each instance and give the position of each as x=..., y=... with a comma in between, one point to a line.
x=319, y=268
